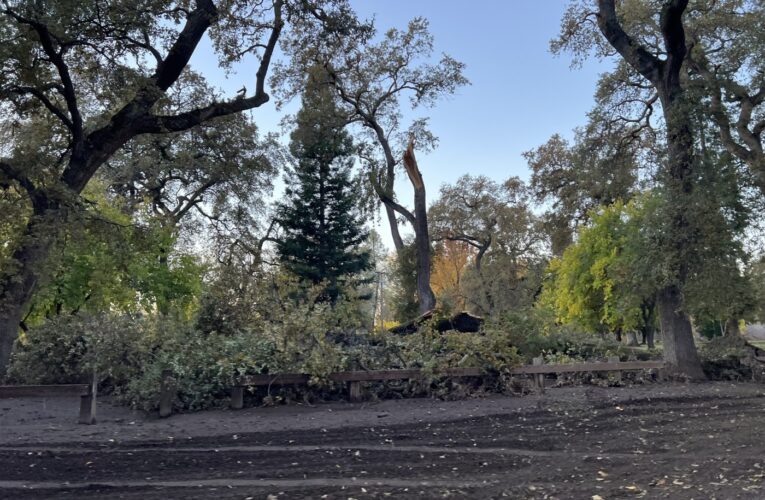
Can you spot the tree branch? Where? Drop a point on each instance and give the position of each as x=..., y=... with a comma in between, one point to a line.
x=388, y=200
x=158, y=124
x=47, y=42
x=40, y=95
x=636, y=55
x=18, y=176
x=674, y=36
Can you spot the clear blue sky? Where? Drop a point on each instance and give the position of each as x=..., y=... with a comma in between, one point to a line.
x=520, y=93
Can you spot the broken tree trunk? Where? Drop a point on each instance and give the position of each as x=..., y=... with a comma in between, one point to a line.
x=421, y=236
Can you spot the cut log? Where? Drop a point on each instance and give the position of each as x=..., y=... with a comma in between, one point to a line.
x=461, y=322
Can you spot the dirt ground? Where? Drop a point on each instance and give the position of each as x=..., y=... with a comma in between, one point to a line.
x=658, y=441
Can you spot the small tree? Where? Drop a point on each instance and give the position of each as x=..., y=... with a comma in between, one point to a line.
x=594, y=285
x=321, y=217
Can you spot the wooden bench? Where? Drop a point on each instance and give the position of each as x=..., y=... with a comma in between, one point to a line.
x=85, y=391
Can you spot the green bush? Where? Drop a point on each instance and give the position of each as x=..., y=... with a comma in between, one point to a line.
x=68, y=349
x=204, y=367
x=130, y=353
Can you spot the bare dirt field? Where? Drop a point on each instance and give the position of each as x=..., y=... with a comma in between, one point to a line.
x=657, y=441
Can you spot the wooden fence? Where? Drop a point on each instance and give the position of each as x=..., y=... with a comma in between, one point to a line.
x=87, y=393
x=167, y=393
x=354, y=378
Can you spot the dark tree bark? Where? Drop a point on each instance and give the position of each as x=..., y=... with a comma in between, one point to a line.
x=20, y=282
x=664, y=74
x=731, y=328
x=419, y=222
x=676, y=330
x=422, y=238
x=648, y=313
x=89, y=151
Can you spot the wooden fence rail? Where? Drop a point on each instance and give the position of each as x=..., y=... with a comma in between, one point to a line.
x=354, y=378
x=87, y=414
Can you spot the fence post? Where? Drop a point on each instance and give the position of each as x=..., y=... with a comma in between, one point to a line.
x=87, y=407
x=237, y=397
x=539, y=377
x=617, y=373
x=354, y=389
x=166, y=394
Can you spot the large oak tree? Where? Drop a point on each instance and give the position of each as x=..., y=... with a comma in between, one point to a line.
x=92, y=73
x=657, y=58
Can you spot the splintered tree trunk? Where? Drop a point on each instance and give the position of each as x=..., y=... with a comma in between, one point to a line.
x=422, y=238
x=679, y=349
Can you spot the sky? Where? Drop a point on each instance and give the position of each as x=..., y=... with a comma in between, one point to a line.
x=520, y=93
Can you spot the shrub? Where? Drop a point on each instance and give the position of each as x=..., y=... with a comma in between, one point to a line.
x=68, y=349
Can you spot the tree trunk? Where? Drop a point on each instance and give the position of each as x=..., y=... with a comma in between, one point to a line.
x=398, y=242
x=650, y=336
x=679, y=349
x=427, y=300
x=648, y=314
x=618, y=333
x=665, y=72
x=19, y=281
x=731, y=328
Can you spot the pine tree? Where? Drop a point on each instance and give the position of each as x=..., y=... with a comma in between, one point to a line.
x=321, y=217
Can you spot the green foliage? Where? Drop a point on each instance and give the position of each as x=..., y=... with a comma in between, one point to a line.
x=204, y=366
x=598, y=169
x=68, y=349
x=106, y=262
x=730, y=358
x=496, y=220
x=303, y=336
x=404, y=281
x=594, y=285
x=491, y=350
x=506, y=283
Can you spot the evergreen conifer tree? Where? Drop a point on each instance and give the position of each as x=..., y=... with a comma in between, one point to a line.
x=321, y=216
